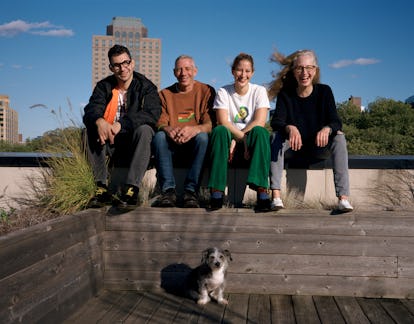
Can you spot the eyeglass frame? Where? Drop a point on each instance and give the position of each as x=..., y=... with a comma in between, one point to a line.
x=308, y=68
x=117, y=66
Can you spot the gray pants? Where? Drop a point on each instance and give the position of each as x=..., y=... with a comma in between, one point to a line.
x=130, y=150
x=338, y=152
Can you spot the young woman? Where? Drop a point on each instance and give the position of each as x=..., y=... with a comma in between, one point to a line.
x=241, y=111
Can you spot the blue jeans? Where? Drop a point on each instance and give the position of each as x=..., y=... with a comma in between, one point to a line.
x=337, y=149
x=165, y=150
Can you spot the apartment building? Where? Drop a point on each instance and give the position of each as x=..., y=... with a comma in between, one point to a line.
x=131, y=33
x=9, y=122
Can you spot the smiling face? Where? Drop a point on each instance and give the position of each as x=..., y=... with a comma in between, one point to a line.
x=185, y=72
x=242, y=73
x=305, y=69
x=122, y=66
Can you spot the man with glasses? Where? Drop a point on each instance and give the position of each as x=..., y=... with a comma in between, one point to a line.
x=120, y=121
x=184, y=126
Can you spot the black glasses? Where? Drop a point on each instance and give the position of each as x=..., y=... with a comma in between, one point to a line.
x=117, y=66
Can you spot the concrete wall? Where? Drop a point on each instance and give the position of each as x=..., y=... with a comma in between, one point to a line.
x=375, y=183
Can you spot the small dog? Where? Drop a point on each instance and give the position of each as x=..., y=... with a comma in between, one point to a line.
x=209, y=278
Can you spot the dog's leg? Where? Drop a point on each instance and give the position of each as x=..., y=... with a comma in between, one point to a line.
x=204, y=297
x=217, y=294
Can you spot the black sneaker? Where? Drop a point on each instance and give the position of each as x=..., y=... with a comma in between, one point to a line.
x=216, y=203
x=263, y=201
x=216, y=199
x=168, y=198
x=190, y=200
x=129, y=198
x=263, y=205
x=101, y=198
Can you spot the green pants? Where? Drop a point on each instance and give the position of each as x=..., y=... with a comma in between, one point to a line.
x=258, y=143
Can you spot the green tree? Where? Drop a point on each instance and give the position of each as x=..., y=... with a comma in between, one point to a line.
x=386, y=127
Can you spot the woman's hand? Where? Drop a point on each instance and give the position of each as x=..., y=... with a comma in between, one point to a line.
x=295, y=139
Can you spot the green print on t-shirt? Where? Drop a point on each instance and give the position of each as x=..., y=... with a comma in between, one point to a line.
x=186, y=116
x=242, y=115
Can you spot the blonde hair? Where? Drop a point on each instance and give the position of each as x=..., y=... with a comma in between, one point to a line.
x=285, y=77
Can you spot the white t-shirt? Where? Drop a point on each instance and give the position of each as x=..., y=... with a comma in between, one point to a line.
x=241, y=108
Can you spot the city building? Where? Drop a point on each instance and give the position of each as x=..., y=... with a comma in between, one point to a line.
x=357, y=102
x=9, y=122
x=131, y=33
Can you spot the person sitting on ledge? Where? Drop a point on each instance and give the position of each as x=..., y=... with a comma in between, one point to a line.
x=305, y=121
x=183, y=131
x=241, y=109
x=120, y=121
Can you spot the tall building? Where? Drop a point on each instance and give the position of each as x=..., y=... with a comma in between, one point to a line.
x=9, y=122
x=131, y=33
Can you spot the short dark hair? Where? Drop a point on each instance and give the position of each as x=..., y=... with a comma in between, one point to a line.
x=118, y=50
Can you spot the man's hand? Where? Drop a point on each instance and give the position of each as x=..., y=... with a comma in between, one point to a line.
x=187, y=133
x=106, y=131
x=295, y=139
x=181, y=135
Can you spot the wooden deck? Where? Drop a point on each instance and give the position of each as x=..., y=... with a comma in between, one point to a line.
x=160, y=308
x=291, y=266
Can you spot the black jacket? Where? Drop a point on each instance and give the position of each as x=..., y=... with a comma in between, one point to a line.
x=143, y=103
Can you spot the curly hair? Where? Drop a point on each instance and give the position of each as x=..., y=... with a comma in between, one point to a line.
x=285, y=77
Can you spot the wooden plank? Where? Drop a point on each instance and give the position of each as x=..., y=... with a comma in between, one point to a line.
x=144, y=309
x=305, y=311
x=279, y=284
x=168, y=308
x=397, y=311
x=282, y=309
x=409, y=304
x=96, y=308
x=212, y=313
x=44, y=286
x=121, y=307
x=236, y=310
x=327, y=310
x=374, y=311
x=286, y=221
x=23, y=248
x=261, y=263
x=406, y=267
x=259, y=309
x=351, y=311
x=254, y=243
x=189, y=312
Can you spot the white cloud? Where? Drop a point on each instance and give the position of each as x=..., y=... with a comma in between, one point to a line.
x=45, y=28
x=358, y=61
x=55, y=32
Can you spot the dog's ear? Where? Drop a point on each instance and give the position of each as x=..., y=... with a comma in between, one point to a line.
x=204, y=255
x=228, y=254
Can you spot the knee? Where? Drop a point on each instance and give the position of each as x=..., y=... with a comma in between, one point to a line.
x=160, y=139
x=144, y=131
x=219, y=130
x=339, y=142
x=201, y=139
x=261, y=132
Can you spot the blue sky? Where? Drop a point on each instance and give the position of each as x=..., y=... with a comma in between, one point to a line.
x=365, y=47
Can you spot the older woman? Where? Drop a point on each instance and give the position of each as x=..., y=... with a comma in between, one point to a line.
x=306, y=122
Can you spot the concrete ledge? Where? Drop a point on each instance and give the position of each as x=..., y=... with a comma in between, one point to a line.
x=370, y=178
